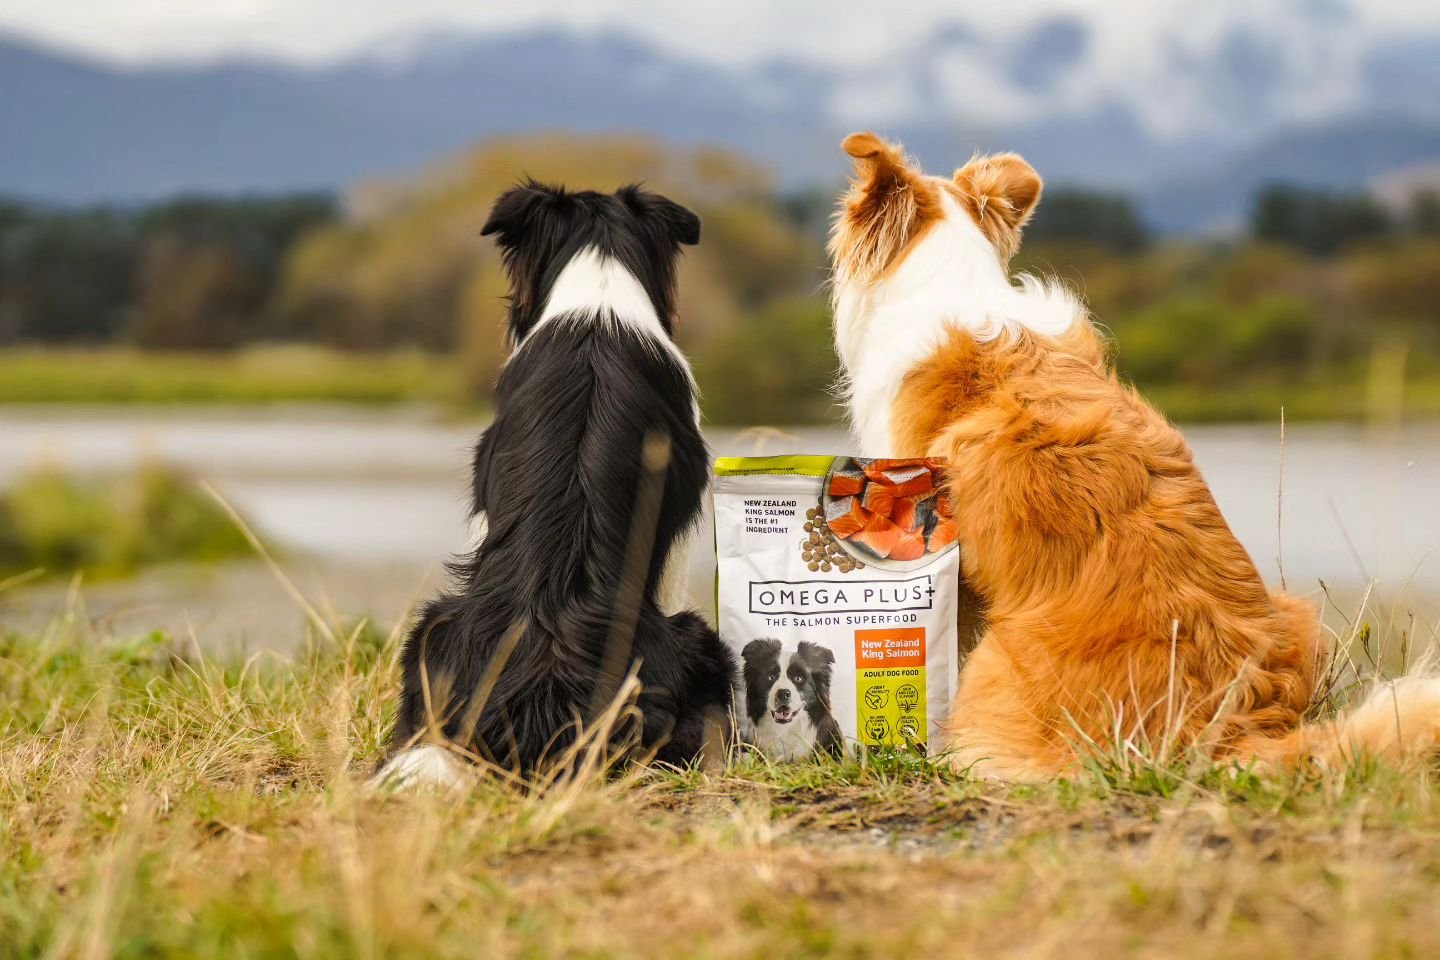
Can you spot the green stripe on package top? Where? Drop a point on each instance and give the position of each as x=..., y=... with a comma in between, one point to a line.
x=795, y=466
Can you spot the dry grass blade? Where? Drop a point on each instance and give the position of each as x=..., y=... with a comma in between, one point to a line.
x=1280, y=508
x=295, y=594
x=19, y=579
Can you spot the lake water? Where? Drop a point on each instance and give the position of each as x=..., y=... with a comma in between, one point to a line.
x=388, y=488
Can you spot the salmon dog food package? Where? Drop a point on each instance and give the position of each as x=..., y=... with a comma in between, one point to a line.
x=837, y=585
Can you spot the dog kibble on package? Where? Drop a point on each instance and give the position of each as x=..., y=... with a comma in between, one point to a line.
x=838, y=580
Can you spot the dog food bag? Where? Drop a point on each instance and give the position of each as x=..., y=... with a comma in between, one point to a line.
x=838, y=582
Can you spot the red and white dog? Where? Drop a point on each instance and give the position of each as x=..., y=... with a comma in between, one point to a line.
x=1119, y=604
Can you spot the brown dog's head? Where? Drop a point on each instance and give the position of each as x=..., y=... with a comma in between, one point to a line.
x=891, y=205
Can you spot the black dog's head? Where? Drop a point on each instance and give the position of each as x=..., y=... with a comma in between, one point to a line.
x=541, y=228
x=782, y=684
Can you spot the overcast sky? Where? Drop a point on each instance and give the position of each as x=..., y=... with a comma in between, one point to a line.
x=732, y=31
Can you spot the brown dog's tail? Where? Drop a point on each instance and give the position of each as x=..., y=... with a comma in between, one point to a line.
x=1398, y=721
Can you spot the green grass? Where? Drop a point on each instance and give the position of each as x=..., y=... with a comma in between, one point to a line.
x=265, y=375
x=1262, y=401
x=254, y=376
x=109, y=526
x=154, y=803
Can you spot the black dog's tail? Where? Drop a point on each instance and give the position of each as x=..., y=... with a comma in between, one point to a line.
x=544, y=685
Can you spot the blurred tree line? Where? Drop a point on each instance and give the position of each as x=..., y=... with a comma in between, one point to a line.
x=407, y=267
x=1305, y=296
x=1317, y=286
x=191, y=273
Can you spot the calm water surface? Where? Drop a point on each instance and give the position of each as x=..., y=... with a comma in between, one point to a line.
x=390, y=486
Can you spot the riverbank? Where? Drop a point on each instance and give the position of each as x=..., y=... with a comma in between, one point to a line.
x=366, y=504
x=305, y=374
x=256, y=375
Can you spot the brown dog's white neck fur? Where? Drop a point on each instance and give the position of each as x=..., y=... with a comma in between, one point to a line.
x=951, y=278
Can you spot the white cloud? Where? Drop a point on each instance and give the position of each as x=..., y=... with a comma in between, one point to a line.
x=1183, y=66
x=834, y=30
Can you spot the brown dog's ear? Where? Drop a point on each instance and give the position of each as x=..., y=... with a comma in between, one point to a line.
x=862, y=145
x=887, y=205
x=1001, y=192
x=875, y=158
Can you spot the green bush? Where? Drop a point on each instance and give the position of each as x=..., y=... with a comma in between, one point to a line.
x=1170, y=339
x=111, y=526
x=775, y=366
x=1199, y=340
x=1274, y=333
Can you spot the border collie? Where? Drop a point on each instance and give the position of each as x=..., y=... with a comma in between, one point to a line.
x=1119, y=603
x=787, y=698
x=590, y=475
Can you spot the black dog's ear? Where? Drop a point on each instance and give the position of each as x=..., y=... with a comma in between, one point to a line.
x=516, y=209
x=816, y=655
x=819, y=660
x=680, y=223
x=759, y=647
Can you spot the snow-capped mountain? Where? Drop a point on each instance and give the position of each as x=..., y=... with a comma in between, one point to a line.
x=1191, y=120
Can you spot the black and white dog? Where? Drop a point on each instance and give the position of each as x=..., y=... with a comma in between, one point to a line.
x=787, y=698
x=591, y=474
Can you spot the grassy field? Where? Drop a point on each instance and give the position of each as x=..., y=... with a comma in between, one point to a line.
x=257, y=375
x=264, y=375
x=1340, y=400
x=157, y=804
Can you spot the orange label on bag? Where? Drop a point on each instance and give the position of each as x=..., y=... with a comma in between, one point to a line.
x=893, y=647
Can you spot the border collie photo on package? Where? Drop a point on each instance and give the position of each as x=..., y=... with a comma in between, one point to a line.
x=584, y=489
x=787, y=698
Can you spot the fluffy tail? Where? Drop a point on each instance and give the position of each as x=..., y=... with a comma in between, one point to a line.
x=1398, y=721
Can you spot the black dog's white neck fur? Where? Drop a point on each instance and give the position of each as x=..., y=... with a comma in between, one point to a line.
x=595, y=287
x=593, y=379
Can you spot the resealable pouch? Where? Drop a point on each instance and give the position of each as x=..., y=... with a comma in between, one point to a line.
x=838, y=587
